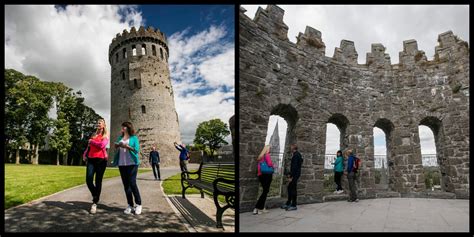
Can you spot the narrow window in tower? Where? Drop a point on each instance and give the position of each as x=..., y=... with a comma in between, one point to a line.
x=134, y=50
x=123, y=75
x=135, y=83
x=166, y=57
x=116, y=58
x=124, y=52
x=153, y=50
x=143, y=109
x=129, y=114
x=143, y=49
x=161, y=53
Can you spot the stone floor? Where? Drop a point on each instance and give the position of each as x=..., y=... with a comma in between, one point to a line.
x=370, y=215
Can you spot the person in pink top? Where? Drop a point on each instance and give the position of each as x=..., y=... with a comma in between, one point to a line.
x=265, y=180
x=96, y=158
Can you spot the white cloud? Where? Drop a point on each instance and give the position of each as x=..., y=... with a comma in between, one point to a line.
x=367, y=24
x=202, y=62
x=332, y=139
x=427, y=142
x=67, y=45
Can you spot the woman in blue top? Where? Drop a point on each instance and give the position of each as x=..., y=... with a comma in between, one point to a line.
x=338, y=171
x=126, y=157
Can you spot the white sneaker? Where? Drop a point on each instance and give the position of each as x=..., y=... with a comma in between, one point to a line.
x=255, y=211
x=93, y=208
x=336, y=192
x=264, y=210
x=138, y=209
x=341, y=191
x=128, y=210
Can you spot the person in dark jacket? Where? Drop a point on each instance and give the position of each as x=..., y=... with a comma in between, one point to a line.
x=293, y=176
x=155, y=162
x=183, y=156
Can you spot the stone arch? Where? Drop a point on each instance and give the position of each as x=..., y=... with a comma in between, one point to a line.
x=388, y=128
x=436, y=126
x=342, y=123
x=290, y=115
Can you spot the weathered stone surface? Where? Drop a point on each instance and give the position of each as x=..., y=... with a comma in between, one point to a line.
x=141, y=92
x=308, y=89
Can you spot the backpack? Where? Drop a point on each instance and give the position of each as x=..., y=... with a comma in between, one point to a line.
x=357, y=164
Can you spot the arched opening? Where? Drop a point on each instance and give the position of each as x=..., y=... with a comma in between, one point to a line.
x=286, y=116
x=116, y=57
x=161, y=53
x=124, y=53
x=143, y=109
x=430, y=135
x=135, y=83
x=134, y=50
x=153, y=50
x=383, y=163
x=335, y=140
x=143, y=49
x=123, y=75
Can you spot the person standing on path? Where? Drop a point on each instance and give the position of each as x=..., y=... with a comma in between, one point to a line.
x=351, y=176
x=293, y=176
x=265, y=179
x=338, y=171
x=126, y=157
x=155, y=162
x=96, y=159
x=183, y=156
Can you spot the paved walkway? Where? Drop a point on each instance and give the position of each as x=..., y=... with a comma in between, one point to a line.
x=68, y=211
x=371, y=215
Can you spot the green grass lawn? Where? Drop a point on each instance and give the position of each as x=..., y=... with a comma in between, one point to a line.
x=24, y=183
x=172, y=186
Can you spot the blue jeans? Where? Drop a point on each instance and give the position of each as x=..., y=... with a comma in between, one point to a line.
x=97, y=166
x=129, y=180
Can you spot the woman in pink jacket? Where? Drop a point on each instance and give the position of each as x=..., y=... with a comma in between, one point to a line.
x=96, y=158
x=265, y=179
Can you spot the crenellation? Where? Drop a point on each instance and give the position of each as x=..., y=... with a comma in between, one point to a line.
x=271, y=21
x=377, y=58
x=311, y=41
x=346, y=53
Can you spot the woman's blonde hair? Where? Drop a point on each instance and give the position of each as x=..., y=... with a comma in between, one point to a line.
x=104, y=131
x=348, y=152
x=265, y=150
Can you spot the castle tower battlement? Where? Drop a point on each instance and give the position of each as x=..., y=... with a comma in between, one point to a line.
x=142, y=93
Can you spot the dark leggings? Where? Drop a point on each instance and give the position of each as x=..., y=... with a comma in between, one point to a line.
x=265, y=181
x=129, y=180
x=157, y=166
x=95, y=166
x=292, y=193
x=337, y=179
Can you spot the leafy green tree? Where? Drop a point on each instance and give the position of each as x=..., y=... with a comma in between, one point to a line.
x=210, y=135
x=60, y=138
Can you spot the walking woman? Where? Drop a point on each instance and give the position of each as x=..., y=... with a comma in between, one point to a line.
x=264, y=178
x=338, y=171
x=96, y=158
x=126, y=157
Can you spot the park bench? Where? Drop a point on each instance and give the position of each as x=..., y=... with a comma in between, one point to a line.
x=215, y=179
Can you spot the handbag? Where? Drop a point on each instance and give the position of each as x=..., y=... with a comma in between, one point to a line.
x=264, y=168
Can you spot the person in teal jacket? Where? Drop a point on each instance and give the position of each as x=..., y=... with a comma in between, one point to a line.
x=126, y=157
x=338, y=171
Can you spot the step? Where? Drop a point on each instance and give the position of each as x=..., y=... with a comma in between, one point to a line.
x=387, y=195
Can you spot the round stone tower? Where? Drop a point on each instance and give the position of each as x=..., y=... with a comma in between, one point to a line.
x=141, y=92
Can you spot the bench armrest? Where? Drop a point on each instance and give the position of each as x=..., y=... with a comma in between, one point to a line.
x=183, y=174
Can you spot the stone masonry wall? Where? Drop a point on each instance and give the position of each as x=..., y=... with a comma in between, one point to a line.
x=144, y=80
x=308, y=89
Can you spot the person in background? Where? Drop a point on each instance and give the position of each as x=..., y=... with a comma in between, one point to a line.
x=351, y=176
x=338, y=171
x=155, y=162
x=183, y=156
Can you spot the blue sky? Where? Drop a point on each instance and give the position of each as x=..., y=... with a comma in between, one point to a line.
x=76, y=38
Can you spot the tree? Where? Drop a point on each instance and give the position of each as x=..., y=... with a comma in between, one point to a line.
x=60, y=138
x=211, y=134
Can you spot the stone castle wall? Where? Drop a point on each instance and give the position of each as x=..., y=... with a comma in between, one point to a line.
x=308, y=89
x=142, y=93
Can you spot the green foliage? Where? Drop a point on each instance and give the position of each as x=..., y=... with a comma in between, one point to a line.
x=377, y=176
x=60, y=138
x=432, y=177
x=329, y=184
x=211, y=134
x=24, y=183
